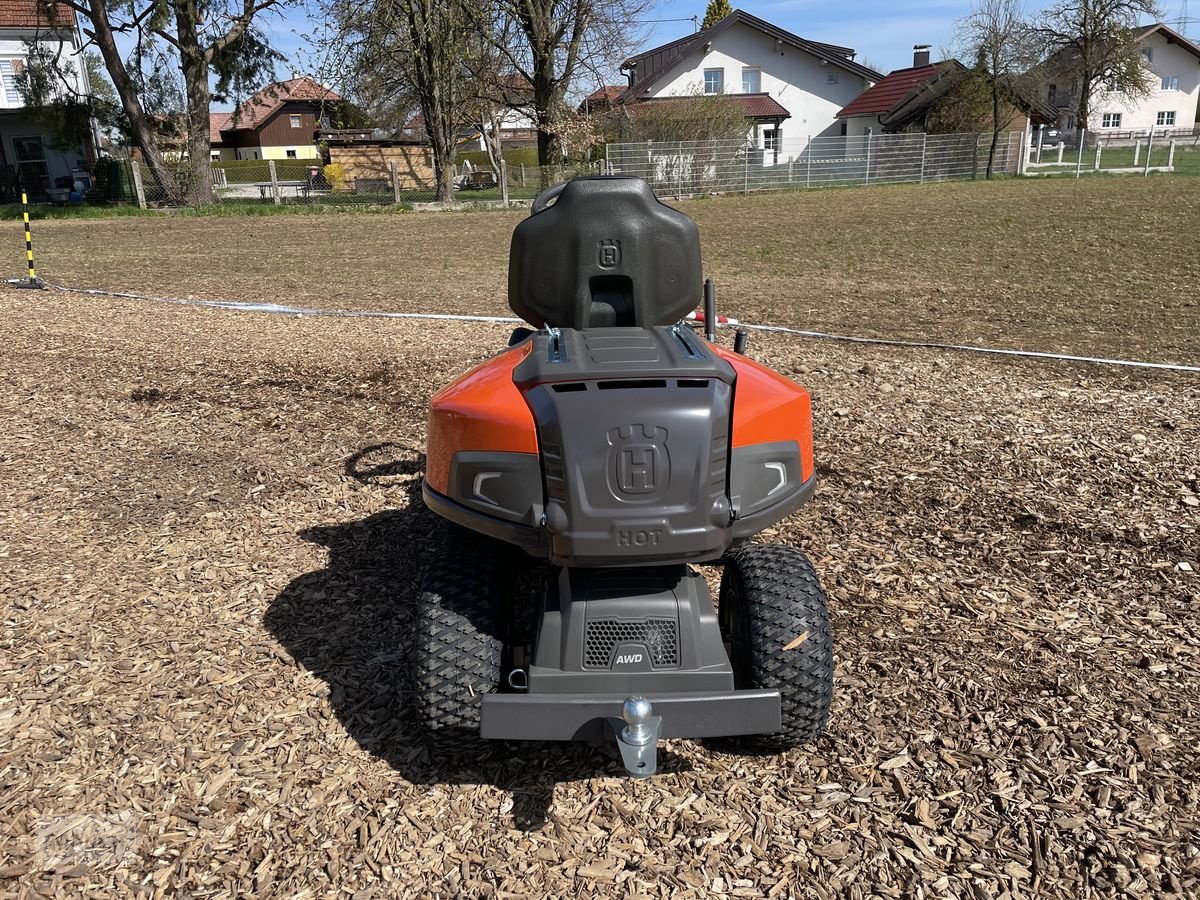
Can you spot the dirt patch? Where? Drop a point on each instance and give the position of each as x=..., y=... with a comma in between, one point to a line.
x=210, y=543
x=1100, y=267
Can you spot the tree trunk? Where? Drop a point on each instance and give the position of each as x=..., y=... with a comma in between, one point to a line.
x=991, y=167
x=143, y=134
x=199, y=99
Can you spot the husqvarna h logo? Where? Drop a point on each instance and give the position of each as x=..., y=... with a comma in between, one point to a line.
x=609, y=254
x=638, y=464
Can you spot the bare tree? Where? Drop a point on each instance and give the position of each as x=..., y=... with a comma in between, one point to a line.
x=205, y=38
x=1094, y=42
x=414, y=48
x=556, y=40
x=997, y=35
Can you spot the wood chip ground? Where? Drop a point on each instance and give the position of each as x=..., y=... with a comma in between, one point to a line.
x=210, y=541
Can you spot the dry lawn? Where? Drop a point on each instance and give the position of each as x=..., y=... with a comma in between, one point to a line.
x=210, y=546
x=1101, y=266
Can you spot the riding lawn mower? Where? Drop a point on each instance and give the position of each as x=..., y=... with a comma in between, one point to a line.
x=586, y=471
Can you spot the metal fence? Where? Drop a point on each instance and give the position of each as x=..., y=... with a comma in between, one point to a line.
x=312, y=182
x=686, y=168
x=1077, y=153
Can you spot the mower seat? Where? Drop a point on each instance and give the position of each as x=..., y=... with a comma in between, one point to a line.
x=600, y=252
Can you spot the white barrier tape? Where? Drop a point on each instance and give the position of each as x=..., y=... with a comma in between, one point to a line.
x=967, y=348
x=279, y=309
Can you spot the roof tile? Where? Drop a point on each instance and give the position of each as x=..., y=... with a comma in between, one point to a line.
x=886, y=94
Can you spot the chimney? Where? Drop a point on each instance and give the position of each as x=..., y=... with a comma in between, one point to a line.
x=920, y=55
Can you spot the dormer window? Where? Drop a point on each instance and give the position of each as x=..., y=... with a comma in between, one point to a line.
x=294, y=119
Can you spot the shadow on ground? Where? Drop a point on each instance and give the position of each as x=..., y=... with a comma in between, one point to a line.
x=348, y=623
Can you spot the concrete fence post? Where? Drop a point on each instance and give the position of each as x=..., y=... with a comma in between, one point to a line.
x=1096, y=165
x=808, y=167
x=504, y=181
x=1137, y=151
x=791, y=164
x=867, y=169
x=1062, y=145
x=274, y=182
x=394, y=172
x=1079, y=160
x=1149, y=149
x=139, y=189
x=1171, y=155
x=924, y=144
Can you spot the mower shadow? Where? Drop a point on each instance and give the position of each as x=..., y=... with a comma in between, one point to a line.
x=349, y=624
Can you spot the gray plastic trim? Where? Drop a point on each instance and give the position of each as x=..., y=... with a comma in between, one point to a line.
x=531, y=540
x=576, y=717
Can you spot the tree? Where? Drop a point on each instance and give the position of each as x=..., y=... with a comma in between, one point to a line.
x=997, y=35
x=1094, y=43
x=552, y=42
x=412, y=49
x=717, y=10
x=203, y=38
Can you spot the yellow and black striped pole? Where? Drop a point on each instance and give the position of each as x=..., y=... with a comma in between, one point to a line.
x=32, y=280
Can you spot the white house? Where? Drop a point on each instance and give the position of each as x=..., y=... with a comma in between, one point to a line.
x=792, y=87
x=29, y=158
x=1172, y=68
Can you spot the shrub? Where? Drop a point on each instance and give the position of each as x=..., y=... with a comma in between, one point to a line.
x=335, y=174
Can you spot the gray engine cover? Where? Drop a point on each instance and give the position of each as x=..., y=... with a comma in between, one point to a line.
x=634, y=428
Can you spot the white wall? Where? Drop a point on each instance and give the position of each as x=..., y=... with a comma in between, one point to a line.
x=12, y=47
x=794, y=78
x=1141, y=115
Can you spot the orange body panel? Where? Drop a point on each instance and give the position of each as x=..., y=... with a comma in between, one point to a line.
x=481, y=410
x=768, y=407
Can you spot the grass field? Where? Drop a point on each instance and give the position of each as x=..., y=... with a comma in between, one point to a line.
x=210, y=546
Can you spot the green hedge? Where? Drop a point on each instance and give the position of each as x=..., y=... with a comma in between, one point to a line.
x=247, y=171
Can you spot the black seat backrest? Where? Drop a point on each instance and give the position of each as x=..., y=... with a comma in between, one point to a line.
x=605, y=253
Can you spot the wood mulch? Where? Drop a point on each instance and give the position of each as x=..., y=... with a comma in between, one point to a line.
x=210, y=541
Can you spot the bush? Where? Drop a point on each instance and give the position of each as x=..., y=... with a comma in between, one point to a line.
x=335, y=175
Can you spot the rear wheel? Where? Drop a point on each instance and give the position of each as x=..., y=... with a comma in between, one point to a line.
x=773, y=614
x=457, y=647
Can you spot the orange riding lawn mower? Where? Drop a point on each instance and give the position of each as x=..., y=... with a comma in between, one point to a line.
x=617, y=447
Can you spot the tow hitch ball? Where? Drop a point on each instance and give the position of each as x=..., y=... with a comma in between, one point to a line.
x=637, y=734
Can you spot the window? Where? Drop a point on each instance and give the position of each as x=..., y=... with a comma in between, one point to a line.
x=714, y=81
x=1052, y=92
x=751, y=81
x=295, y=120
x=770, y=138
x=1075, y=88
x=1148, y=54
x=216, y=156
x=1165, y=118
x=8, y=74
x=1111, y=120
x=1170, y=83
x=831, y=78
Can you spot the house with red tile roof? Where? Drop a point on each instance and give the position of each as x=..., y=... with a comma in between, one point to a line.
x=790, y=87
x=904, y=99
x=279, y=122
x=30, y=159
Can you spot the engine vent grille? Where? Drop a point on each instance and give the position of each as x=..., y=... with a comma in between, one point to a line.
x=604, y=635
